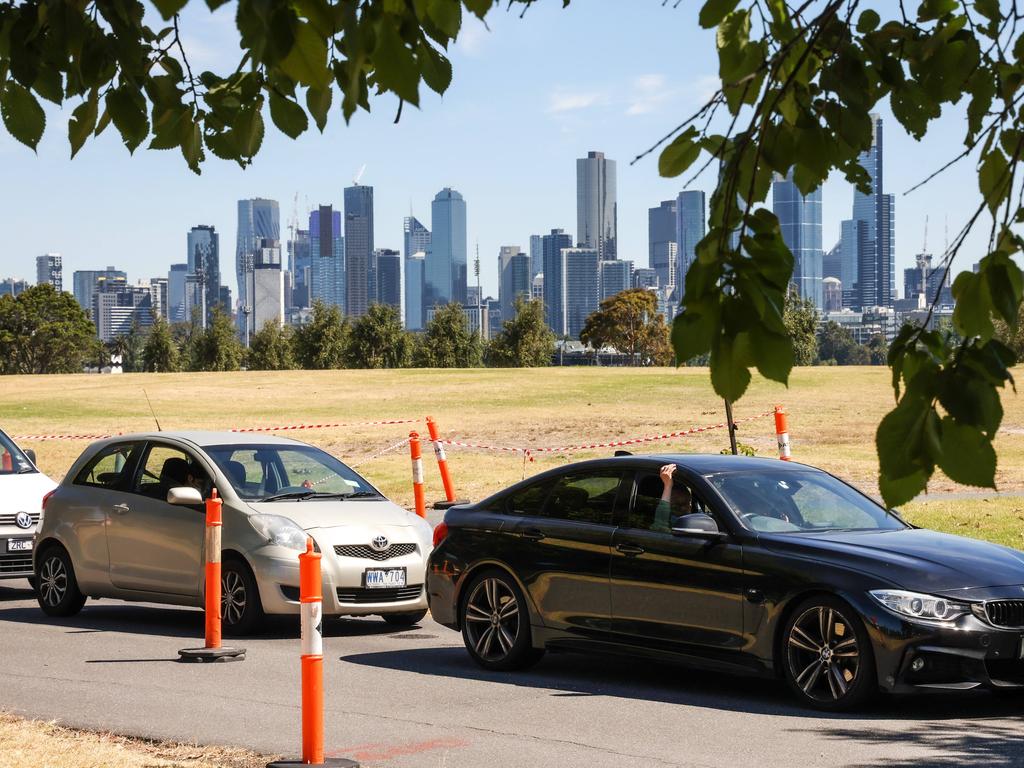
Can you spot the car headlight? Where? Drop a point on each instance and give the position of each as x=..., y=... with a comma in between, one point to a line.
x=279, y=530
x=915, y=605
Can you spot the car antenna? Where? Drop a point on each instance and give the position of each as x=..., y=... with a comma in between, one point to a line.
x=158, y=429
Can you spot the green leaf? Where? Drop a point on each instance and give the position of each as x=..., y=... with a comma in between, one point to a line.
x=248, y=131
x=904, y=458
x=127, y=109
x=993, y=178
x=192, y=148
x=900, y=490
x=168, y=8
x=395, y=64
x=967, y=455
x=288, y=116
x=447, y=15
x=773, y=354
x=318, y=102
x=868, y=21
x=680, y=154
x=729, y=360
x=714, y=11
x=306, y=62
x=83, y=122
x=972, y=312
x=435, y=67
x=21, y=113
x=930, y=10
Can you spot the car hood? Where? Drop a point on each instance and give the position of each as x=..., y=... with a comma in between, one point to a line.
x=339, y=513
x=24, y=493
x=915, y=558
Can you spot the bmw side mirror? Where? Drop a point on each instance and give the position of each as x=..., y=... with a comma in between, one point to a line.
x=697, y=524
x=184, y=496
x=31, y=455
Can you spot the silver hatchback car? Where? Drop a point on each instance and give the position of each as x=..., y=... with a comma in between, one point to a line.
x=127, y=522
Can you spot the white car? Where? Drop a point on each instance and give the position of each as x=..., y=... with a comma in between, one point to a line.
x=22, y=487
x=128, y=522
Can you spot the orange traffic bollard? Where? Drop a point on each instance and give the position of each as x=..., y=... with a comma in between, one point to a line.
x=442, y=465
x=417, y=474
x=213, y=651
x=311, y=600
x=5, y=462
x=782, y=432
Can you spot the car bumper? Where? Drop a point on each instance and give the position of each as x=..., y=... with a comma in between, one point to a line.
x=15, y=565
x=918, y=656
x=344, y=593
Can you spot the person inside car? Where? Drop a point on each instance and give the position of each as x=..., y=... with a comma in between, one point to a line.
x=675, y=501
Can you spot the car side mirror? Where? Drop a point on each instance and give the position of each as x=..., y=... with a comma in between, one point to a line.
x=185, y=496
x=697, y=524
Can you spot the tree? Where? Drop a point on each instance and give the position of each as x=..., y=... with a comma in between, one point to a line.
x=378, y=340
x=835, y=344
x=1012, y=335
x=800, y=317
x=217, y=348
x=321, y=343
x=44, y=331
x=129, y=346
x=878, y=349
x=525, y=341
x=160, y=353
x=447, y=341
x=630, y=322
x=270, y=349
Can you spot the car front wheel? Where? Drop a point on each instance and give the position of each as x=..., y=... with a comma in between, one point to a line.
x=57, y=589
x=827, y=657
x=496, y=623
x=241, y=610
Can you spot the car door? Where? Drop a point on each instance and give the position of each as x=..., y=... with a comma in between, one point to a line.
x=565, y=545
x=155, y=546
x=674, y=589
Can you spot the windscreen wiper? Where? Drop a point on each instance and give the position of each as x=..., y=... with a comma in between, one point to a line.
x=290, y=495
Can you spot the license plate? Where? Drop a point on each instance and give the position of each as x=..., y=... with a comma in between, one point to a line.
x=384, y=578
x=19, y=545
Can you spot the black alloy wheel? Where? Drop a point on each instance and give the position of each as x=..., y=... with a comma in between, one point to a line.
x=406, y=619
x=57, y=589
x=241, y=610
x=496, y=623
x=827, y=656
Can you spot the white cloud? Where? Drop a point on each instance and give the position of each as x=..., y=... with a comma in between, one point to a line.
x=572, y=101
x=473, y=37
x=647, y=93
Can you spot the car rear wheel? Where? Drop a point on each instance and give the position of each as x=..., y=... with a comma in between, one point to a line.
x=241, y=610
x=57, y=593
x=827, y=656
x=404, y=619
x=496, y=623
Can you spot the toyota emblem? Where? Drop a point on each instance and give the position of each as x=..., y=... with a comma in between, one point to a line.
x=23, y=520
x=379, y=543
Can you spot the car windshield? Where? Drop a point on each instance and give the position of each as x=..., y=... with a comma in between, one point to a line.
x=800, y=502
x=12, y=460
x=288, y=472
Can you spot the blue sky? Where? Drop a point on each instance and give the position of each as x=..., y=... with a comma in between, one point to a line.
x=529, y=96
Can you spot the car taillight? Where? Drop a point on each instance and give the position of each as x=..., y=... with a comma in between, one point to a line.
x=46, y=498
x=440, y=532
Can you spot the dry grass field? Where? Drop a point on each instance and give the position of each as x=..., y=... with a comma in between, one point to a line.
x=833, y=413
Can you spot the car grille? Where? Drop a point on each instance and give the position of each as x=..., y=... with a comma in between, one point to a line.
x=10, y=519
x=17, y=563
x=1006, y=613
x=362, y=595
x=367, y=552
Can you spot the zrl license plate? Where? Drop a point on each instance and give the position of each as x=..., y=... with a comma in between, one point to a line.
x=19, y=545
x=384, y=578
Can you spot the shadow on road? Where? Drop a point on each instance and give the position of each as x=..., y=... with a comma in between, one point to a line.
x=16, y=589
x=569, y=675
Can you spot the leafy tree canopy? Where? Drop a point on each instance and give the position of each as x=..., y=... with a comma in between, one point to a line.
x=801, y=320
x=160, y=352
x=217, y=348
x=630, y=322
x=270, y=349
x=525, y=341
x=321, y=343
x=447, y=341
x=378, y=340
x=43, y=331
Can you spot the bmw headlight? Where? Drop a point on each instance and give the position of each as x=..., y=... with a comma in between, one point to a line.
x=279, y=530
x=915, y=605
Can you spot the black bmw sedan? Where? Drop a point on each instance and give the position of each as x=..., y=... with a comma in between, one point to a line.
x=729, y=563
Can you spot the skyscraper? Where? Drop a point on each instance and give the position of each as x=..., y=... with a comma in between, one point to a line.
x=445, y=278
x=799, y=218
x=536, y=255
x=552, y=245
x=84, y=284
x=266, y=288
x=691, y=226
x=299, y=265
x=513, y=279
x=358, y=249
x=616, y=276
x=204, y=262
x=258, y=219
x=417, y=244
x=50, y=269
x=176, y=293
x=662, y=241
x=581, y=288
x=327, y=257
x=388, y=274
x=596, y=209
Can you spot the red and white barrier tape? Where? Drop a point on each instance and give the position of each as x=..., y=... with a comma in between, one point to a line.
x=26, y=438
x=290, y=427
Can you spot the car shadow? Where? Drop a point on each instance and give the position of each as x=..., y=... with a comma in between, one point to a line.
x=16, y=589
x=577, y=675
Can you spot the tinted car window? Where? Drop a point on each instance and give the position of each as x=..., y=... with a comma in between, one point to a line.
x=166, y=467
x=107, y=468
x=585, y=498
x=528, y=501
x=647, y=513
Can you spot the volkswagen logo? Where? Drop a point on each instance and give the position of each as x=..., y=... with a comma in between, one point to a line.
x=23, y=520
x=379, y=543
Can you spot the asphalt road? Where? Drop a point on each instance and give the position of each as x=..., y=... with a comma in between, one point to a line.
x=413, y=698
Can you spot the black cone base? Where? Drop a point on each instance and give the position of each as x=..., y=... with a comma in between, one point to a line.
x=211, y=654
x=329, y=762
x=449, y=504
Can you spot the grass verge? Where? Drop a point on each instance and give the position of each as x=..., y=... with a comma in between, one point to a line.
x=999, y=519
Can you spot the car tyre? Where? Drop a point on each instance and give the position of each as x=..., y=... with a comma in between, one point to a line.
x=57, y=593
x=241, y=610
x=826, y=655
x=495, y=623
x=408, y=619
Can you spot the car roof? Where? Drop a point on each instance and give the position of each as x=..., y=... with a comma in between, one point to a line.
x=697, y=463
x=205, y=439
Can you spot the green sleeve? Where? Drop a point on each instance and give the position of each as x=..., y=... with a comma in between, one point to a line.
x=662, y=515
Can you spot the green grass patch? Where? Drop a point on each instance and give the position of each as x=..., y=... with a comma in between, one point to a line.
x=999, y=519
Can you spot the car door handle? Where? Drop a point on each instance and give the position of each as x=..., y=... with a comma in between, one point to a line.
x=630, y=550
x=121, y=509
x=534, y=534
